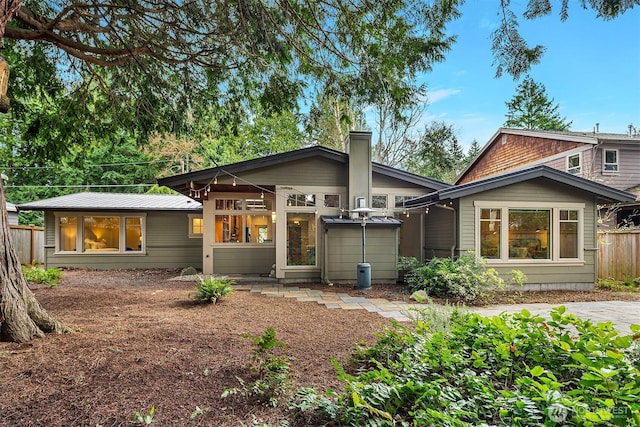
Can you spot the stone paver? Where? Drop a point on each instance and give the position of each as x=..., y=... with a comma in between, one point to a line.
x=621, y=313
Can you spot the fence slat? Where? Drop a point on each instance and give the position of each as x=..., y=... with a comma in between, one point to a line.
x=28, y=242
x=619, y=254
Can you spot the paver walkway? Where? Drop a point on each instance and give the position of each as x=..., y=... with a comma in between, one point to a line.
x=621, y=313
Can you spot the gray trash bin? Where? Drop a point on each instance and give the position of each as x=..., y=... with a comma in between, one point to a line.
x=364, y=275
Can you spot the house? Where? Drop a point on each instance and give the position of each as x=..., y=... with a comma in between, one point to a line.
x=611, y=159
x=294, y=213
x=110, y=231
x=12, y=211
x=303, y=216
x=539, y=220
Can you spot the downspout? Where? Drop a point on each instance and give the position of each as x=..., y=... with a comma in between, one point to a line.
x=325, y=260
x=455, y=233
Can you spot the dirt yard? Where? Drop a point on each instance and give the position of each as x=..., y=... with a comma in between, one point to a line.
x=140, y=341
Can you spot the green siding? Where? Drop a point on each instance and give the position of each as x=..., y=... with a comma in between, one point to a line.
x=167, y=246
x=539, y=190
x=439, y=235
x=307, y=172
x=344, y=252
x=243, y=260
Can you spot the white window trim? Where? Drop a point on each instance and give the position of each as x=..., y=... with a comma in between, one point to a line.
x=192, y=234
x=604, y=162
x=555, y=208
x=579, y=168
x=80, y=232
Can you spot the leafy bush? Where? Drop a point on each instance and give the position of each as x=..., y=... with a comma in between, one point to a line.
x=627, y=285
x=466, y=278
x=272, y=371
x=213, y=289
x=508, y=370
x=36, y=274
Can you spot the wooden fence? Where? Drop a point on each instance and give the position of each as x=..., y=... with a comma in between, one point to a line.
x=619, y=254
x=28, y=240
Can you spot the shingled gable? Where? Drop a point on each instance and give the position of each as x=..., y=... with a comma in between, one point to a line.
x=524, y=149
x=180, y=182
x=540, y=171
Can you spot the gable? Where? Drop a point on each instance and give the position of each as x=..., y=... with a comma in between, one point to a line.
x=508, y=151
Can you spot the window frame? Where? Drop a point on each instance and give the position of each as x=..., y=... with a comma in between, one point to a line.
x=605, y=163
x=554, y=232
x=243, y=206
x=578, y=169
x=122, y=232
x=192, y=233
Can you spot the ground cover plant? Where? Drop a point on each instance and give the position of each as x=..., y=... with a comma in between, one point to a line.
x=142, y=349
x=509, y=370
x=37, y=274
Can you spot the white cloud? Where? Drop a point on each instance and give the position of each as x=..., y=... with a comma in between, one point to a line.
x=440, y=94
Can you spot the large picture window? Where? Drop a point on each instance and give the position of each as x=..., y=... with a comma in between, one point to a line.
x=243, y=220
x=301, y=238
x=529, y=234
x=98, y=234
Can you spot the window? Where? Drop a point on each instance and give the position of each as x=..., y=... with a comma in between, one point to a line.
x=301, y=199
x=528, y=234
x=379, y=201
x=196, y=226
x=610, y=161
x=568, y=234
x=301, y=238
x=574, y=164
x=331, y=200
x=68, y=231
x=243, y=220
x=490, y=223
x=99, y=234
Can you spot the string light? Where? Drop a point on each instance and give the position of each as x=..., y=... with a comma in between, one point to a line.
x=234, y=181
x=262, y=195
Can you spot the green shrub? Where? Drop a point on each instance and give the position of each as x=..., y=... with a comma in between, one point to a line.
x=36, y=274
x=213, y=289
x=272, y=371
x=627, y=285
x=507, y=370
x=467, y=278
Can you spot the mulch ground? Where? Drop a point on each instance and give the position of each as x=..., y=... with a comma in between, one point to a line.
x=139, y=341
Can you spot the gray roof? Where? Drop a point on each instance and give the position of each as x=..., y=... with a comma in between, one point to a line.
x=375, y=221
x=115, y=202
x=178, y=182
x=540, y=171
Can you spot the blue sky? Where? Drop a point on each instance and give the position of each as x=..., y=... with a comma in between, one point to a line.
x=591, y=69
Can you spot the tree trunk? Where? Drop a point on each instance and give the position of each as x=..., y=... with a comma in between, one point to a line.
x=22, y=318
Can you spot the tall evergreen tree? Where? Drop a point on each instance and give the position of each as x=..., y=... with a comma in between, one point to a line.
x=531, y=108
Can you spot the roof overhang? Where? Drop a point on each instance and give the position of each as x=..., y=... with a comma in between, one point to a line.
x=602, y=191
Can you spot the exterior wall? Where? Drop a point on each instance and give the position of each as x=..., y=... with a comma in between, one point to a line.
x=360, y=180
x=439, y=234
x=628, y=175
x=316, y=171
x=344, y=252
x=544, y=274
x=248, y=260
x=167, y=245
x=410, y=235
x=510, y=151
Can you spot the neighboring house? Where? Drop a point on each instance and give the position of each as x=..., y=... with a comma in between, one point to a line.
x=110, y=231
x=539, y=220
x=13, y=214
x=611, y=159
x=294, y=211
